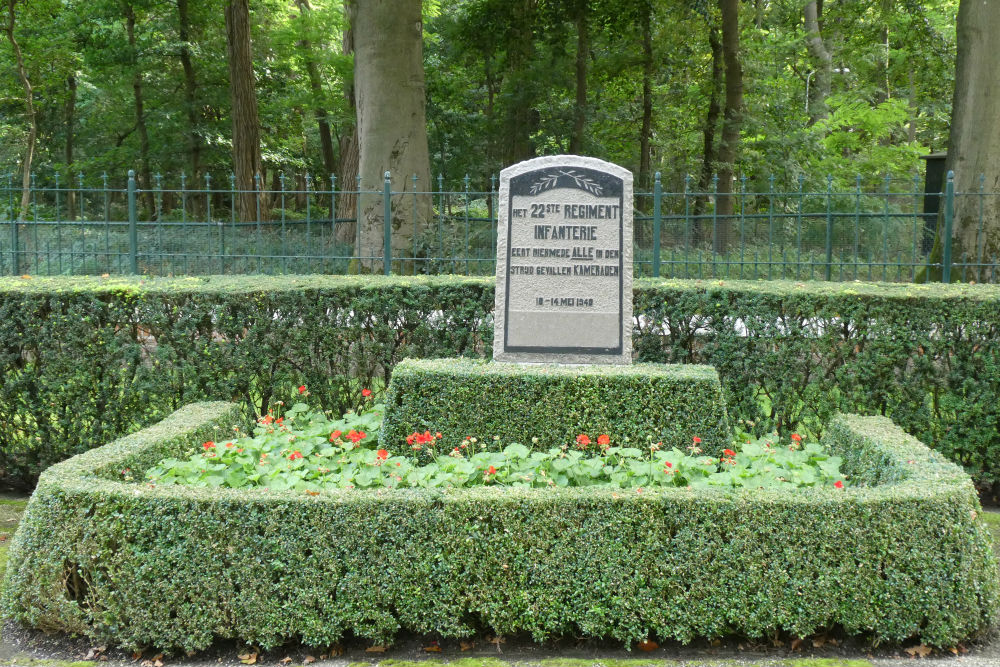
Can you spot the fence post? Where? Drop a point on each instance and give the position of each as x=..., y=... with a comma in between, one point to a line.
x=133, y=232
x=829, y=229
x=657, y=197
x=14, y=219
x=387, y=225
x=949, y=219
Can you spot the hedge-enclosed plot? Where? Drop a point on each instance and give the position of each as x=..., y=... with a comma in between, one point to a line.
x=176, y=567
x=473, y=397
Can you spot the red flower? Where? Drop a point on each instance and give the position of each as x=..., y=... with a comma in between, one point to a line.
x=583, y=439
x=302, y=389
x=604, y=439
x=696, y=440
x=295, y=455
x=728, y=452
x=438, y=435
x=268, y=419
x=838, y=484
x=382, y=454
x=355, y=436
x=796, y=437
x=279, y=420
x=228, y=445
x=668, y=464
x=366, y=392
x=491, y=471
x=208, y=445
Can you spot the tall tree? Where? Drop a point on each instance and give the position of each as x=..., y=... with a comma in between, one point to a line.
x=29, y=111
x=732, y=119
x=190, y=88
x=392, y=127
x=146, y=178
x=316, y=86
x=581, y=9
x=974, y=146
x=822, y=61
x=246, y=122
x=347, y=160
x=646, y=129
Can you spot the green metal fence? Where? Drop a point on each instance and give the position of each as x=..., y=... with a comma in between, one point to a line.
x=874, y=231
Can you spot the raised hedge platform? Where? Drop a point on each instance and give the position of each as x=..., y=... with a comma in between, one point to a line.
x=555, y=403
x=904, y=555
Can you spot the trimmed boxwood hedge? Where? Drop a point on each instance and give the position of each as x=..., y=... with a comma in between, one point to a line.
x=474, y=397
x=176, y=567
x=86, y=360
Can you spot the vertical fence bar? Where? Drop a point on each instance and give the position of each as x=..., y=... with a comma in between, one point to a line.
x=133, y=230
x=687, y=224
x=284, y=249
x=333, y=216
x=743, y=244
x=107, y=225
x=441, y=217
x=357, y=221
x=980, y=240
x=15, y=269
x=770, y=224
x=493, y=218
x=857, y=222
x=468, y=249
x=81, y=211
x=414, y=255
x=260, y=237
x=386, y=225
x=158, y=204
x=59, y=243
x=918, y=223
x=715, y=221
x=885, y=229
x=657, y=222
x=308, y=186
x=829, y=228
x=798, y=230
x=949, y=218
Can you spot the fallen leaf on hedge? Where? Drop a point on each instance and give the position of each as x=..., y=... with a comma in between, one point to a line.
x=376, y=649
x=953, y=650
x=433, y=648
x=796, y=644
x=336, y=649
x=648, y=645
x=309, y=659
x=716, y=642
x=248, y=658
x=819, y=642
x=285, y=660
x=95, y=651
x=467, y=646
x=137, y=656
x=157, y=663
x=921, y=651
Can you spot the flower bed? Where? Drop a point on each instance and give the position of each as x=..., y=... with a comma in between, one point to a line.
x=901, y=554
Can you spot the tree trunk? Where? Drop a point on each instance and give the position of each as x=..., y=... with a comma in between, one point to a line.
x=710, y=148
x=974, y=145
x=70, y=122
x=246, y=124
x=347, y=160
x=582, y=46
x=316, y=86
x=145, y=178
x=392, y=127
x=521, y=117
x=732, y=119
x=29, y=109
x=823, y=62
x=190, y=99
x=646, y=133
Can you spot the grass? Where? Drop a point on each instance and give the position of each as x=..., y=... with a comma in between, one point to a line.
x=11, y=510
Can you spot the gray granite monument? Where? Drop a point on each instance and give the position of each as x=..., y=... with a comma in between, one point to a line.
x=564, y=262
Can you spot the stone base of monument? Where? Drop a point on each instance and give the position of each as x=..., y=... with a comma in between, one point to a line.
x=462, y=397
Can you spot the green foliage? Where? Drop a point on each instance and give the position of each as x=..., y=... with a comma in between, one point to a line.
x=178, y=567
x=86, y=360
x=304, y=450
x=460, y=397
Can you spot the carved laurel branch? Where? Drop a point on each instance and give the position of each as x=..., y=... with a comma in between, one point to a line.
x=549, y=181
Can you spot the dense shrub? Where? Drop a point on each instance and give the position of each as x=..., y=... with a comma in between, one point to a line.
x=668, y=403
x=176, y=567
x=86, y=360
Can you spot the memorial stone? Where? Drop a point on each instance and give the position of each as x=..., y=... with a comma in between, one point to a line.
x=564, y=262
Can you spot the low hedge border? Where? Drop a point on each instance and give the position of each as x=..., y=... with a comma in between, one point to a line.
x=515, y=402
x=177, y=567
x=790, y=355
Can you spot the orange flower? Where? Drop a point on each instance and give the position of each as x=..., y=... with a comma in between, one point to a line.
x=208, y=445
x=491, y=471
x=604, y=439
x=728, y=452
x=583, y=439
x=838, y=484
x=796, y=437
x=366, y=392
x=302, y=389
x=295, y=455
x=382, y=454
x=696, y=440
